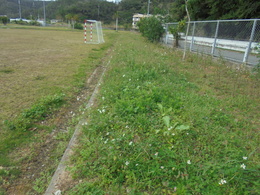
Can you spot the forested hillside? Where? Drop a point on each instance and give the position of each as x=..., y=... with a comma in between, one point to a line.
x=31, y=9
x=173, y=10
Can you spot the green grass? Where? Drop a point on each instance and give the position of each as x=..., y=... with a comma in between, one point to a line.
x=166, y=126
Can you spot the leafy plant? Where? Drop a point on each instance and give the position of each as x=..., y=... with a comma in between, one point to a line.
x=151, y=28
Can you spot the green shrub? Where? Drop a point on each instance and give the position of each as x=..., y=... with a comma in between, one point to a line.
x=4, y=19
x=127, y=26
x=21, y=22
x=78, y=26
x=34, y=23
x=151, y=28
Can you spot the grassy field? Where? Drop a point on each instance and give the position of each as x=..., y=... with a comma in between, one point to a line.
x=160, y=126
x=167, y=126
x=42, y=70
x=35, y=63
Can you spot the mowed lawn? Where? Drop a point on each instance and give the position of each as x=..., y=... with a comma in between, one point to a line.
x=36, y=63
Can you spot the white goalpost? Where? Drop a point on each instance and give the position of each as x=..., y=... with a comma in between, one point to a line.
x=93, y=33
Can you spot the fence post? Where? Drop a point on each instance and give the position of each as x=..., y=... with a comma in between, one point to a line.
x=248, y=49
x=215, y=40
x=192, y=39
x=166, y=36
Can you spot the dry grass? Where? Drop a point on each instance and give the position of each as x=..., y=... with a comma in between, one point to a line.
x=35, y=63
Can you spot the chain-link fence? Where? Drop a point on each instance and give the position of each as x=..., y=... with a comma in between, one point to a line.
x=236, y=40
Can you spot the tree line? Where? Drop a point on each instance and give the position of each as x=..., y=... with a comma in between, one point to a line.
x=171, y=10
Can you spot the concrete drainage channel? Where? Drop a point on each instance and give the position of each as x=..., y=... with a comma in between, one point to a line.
x=60, y=172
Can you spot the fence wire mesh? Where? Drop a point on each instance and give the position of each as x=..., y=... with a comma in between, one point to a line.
x=236, y=40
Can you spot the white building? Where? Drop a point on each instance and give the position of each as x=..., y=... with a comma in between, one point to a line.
x=137, y=18
x=114, y=1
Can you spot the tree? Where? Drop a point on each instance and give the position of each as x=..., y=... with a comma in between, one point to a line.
x=187, y=30
x=72, y=19
x=175, y=32
x=68, y=18
x=115, y=16
x=151, y=28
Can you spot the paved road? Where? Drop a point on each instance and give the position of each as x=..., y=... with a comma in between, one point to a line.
x=231, y=55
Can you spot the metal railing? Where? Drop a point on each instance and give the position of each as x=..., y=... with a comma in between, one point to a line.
x=235, y=40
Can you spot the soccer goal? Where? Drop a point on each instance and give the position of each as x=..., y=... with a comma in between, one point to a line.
x=93, y=33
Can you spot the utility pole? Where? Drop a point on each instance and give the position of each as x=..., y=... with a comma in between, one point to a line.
x=148, y=9
x=20, y=10
x=44, y=13
x=98, y=12
x=44, y=10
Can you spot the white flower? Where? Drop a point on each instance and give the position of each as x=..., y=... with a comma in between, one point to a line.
x=57, y=192
x=222, y=181
x=162, y=167
x=156, y=154
x=136, y=164
x=173, y=134
x=243, y=166
x=130, y=143
x=188, y=162
x=126, y=163
x=170, y=128
x=244, y=158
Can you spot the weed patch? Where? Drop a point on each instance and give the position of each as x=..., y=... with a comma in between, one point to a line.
x=162, y=127
x=6, y=71
x=37, y=112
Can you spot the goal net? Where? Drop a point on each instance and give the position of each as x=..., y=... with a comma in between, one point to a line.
x=93, y=33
